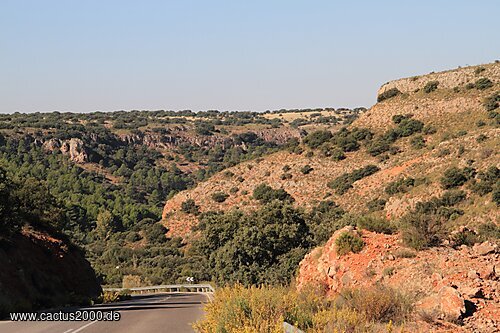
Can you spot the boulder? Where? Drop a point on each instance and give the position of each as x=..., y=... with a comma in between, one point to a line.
x=446, y=304
x=484, y=248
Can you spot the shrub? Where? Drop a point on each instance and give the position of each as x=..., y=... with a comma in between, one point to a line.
x=348, y=242
x=483, y=83
x=190, y=207
x=324, y=219
x=219, y=196
x=234, y=190
x=492, y=102
x=376, y=205
x=479, y=70
x=453, y=177
x=399, y=186
x=317, y=138
x=377, y=147
x=344, y=182
x=464, y=237
x=417, y=142
x=421, y=231
x=286, y=176
x=379, y=303
x=265, y=194
x=389, y=93
x=338, y=155
x=496, y=196
x=378, y=225
x=481, y=138
x=431, y=86
x=409, y=127
x=489, y=231
x=286, y=168
x=396, y=119
x=306, y=169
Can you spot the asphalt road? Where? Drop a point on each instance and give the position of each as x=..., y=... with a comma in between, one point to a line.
x=172, y=312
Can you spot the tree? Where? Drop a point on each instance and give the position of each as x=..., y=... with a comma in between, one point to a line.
x=106, y=224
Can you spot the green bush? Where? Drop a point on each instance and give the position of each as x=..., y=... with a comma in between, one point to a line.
x=417, y=142
x=483, y=83
x=286, y=176
x=431, y=86
x=389, y=93
x=454, y=177
x=190, y=207
x=324, y=219
x=400, y=186
x=378, y=146
x=317, y=138
x=376, y=205
x=421, y=231
x=265, y=194
x=344, y=182
x=338, y=155
x=348, y=242
x=492, y=102
x=378, y=225
x=219, y=196
x=306, y=169
x=481, y=138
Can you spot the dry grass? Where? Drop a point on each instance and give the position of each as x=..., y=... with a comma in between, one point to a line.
x=263, y=309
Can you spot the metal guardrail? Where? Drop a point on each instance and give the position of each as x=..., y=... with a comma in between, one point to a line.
x=204, y=288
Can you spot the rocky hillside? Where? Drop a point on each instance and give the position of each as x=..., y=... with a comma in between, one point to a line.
x=451, y=284
x=460, y=129
x=42, y=270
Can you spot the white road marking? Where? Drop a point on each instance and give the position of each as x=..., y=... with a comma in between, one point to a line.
x=85, y=326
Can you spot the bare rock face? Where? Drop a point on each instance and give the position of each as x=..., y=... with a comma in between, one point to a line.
x=75, y=148
x=447, y=304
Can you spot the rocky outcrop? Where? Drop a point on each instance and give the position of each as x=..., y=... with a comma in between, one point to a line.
x=74, y=148
x=456, y=285
x=41, y=269
x=180, y=136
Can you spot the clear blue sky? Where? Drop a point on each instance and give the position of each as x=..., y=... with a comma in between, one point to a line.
x=87, y=55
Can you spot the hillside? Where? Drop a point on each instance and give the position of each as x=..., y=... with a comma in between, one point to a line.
x=458, y=130
x=410, y=191
x=41, y=268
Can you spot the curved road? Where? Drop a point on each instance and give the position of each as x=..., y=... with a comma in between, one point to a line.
x=168, y=312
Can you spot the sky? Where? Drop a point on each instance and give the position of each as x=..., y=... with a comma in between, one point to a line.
x=106, y=55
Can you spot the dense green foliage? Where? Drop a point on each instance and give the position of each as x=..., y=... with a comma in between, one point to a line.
x=27, y=201
x=266, y=194
x=344, y=182
x=389, y=93
x=109, y=203
x=259, y=247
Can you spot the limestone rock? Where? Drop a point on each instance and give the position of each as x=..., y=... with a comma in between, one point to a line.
x=447, y=304
x=484, y=248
